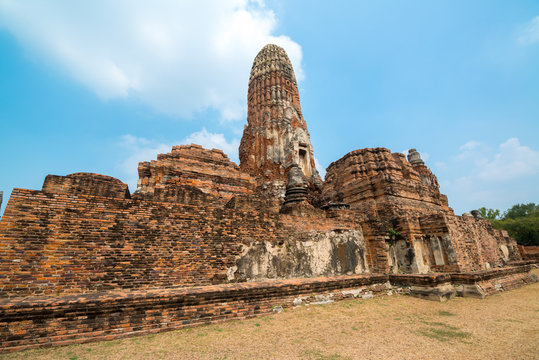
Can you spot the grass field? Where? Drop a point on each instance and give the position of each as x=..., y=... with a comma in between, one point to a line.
x=503, y=326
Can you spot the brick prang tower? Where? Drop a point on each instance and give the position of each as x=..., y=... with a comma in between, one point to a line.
x=276, y=137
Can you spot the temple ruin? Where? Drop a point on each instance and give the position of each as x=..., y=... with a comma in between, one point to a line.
x=203, y=239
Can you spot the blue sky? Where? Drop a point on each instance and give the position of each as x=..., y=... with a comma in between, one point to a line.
x=98, y=86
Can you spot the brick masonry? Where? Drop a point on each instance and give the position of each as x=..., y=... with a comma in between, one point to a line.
x=66, y=243
x=203, y=239
x=190, y=174
x=276, y=135
x=51, y=320
x=42, y=321
x=529, y=252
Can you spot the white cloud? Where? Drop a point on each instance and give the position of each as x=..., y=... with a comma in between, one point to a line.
x=139, y=149
x=214, y=141
x=142, y=149
x=321, y=169
x=179, y=57
x=492, y=178
x=470, y=145
x=473, y=150
x=513, y=161
x=529, y=34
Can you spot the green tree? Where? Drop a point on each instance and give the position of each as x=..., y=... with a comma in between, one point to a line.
x=521, y=210
x=489, y=214
x=521, y=222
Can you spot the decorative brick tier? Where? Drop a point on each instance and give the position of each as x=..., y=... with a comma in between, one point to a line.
x=476, y=276
x=478, y=284
x=471, y=277
x=61, y=320
x=419, y=279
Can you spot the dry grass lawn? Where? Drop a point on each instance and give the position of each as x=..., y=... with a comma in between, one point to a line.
x=504, y=326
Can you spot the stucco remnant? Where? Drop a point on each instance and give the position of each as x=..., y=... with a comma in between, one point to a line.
x=321, y=254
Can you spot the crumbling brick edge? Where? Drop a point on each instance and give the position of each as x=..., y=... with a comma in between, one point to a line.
x=478, y=284
x=45, y=321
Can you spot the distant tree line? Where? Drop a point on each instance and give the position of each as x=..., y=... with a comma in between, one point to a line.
x=521, y=222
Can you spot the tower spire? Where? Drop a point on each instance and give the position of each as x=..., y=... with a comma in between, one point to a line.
x=276, y=137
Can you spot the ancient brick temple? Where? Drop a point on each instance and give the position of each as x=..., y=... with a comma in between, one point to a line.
x=203, y=239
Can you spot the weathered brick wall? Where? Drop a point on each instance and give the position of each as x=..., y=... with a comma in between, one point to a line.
x=69, y=319
x=529, y=252
x=476, y=243
x=438, y=243
x=87, y=184
x=52, y=320
x=62, y=243
x=428, y=236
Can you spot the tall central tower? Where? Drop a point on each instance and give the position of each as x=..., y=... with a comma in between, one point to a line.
x=276, y=137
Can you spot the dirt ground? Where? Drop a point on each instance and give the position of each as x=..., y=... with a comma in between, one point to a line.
x=503, y=326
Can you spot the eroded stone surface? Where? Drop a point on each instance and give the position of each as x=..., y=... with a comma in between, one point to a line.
x=318, y=254
x=437, y=293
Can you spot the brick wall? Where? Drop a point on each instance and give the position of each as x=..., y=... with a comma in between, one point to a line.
x=86, y=183
x=51, y=320
x=476, y=243
x=66, y=243
x=382, y=183
x=529, y=252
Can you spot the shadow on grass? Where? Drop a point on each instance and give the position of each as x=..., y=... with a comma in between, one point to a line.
x=318, y=355
x=443, y=332
x=445, y=313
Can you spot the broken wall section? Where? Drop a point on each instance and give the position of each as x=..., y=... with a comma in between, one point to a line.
x=87, y=184
x=478, y=245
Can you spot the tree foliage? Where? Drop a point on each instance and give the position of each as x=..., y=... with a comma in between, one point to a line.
x=521, y=222
x=489, y=214
x=521, y=211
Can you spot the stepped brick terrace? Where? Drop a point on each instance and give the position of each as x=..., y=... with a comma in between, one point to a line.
x=203, y=239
